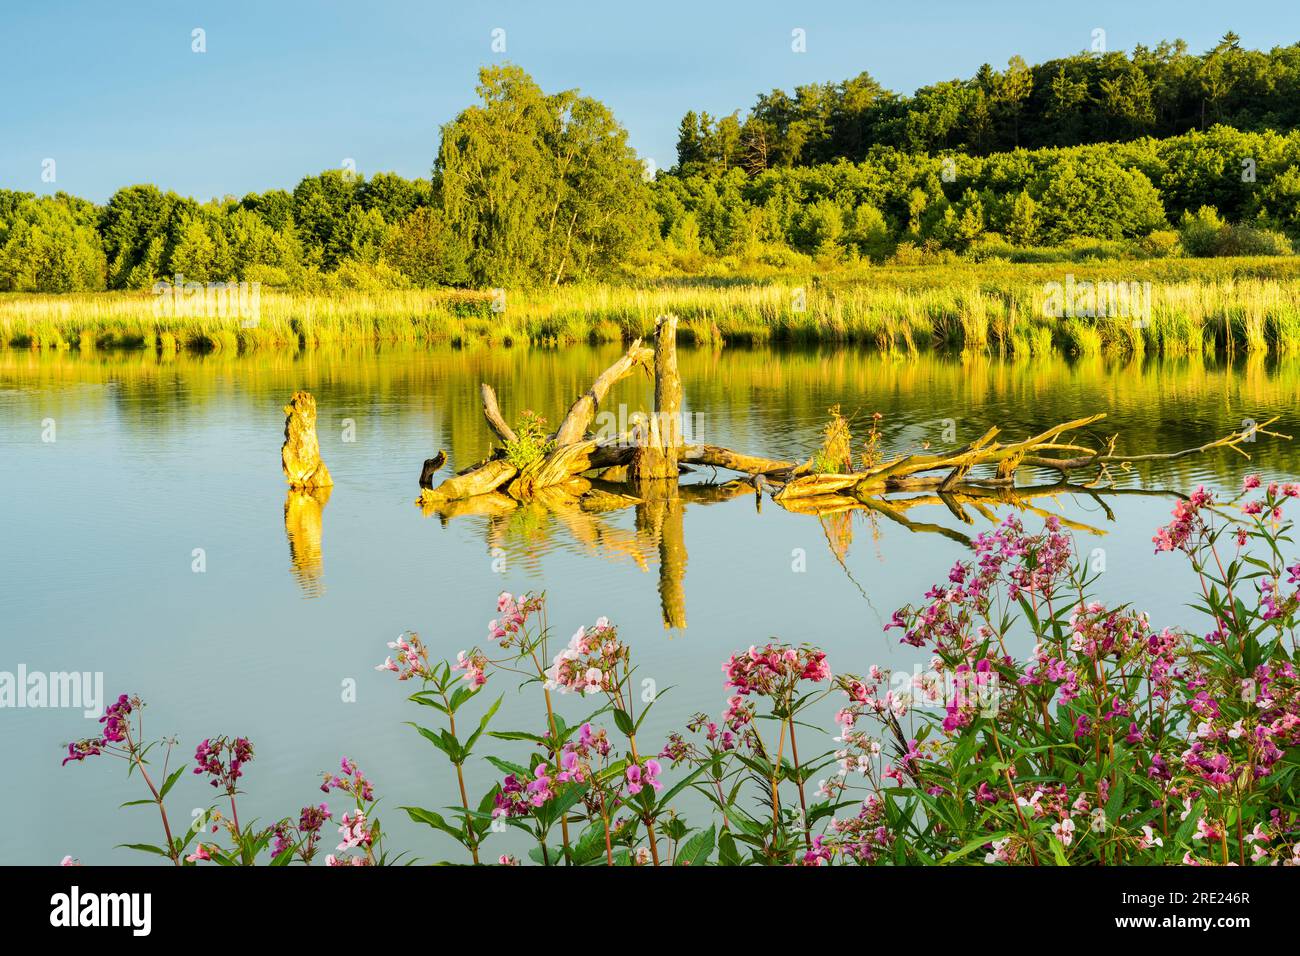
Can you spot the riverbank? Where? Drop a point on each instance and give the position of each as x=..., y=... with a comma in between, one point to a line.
x=1169, y=307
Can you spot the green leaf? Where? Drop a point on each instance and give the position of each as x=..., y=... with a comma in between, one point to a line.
x=972, y=846
x=143, y=848
x=170, y=781
x=482, y=726
x=443, y=740
x=591, y=845
x=696, y=850
x=505, y=766
x=678, y=787
x=1058, y=851
x=516, y=735
x=435, y=820
x=728, y=854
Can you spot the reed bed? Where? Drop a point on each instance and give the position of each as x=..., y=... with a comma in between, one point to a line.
x=1192, y=307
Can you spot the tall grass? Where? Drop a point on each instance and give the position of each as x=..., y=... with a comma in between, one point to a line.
x=1220, y=306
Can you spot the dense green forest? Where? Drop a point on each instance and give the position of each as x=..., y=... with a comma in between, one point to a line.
x=534, y=188
x=1086, y=98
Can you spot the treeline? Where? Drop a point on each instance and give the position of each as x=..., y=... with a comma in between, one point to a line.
x=526, y=188
x=1148, y=197
x=530, y=188
x=1087, y=98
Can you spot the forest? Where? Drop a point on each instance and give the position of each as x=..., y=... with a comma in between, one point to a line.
x=1156, y=154
x=1090, y=97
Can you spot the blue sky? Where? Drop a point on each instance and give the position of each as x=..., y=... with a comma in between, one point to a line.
x=114, y=94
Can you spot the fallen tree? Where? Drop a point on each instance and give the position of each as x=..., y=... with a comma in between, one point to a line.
x=655, y=449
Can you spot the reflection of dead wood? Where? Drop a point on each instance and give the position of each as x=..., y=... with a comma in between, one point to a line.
x=659, y=519
x=492, y=504
x=979, y=499
x=705, y=494
x=303, y=510
x=838, y=528
x=820, y=505
x=582, y=516
x=672, y=563
x=604, y=498
x=581, y=509
x=882, y=507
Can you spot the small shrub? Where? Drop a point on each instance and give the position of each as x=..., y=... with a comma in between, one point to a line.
x=530, y=444
x=1161, y=244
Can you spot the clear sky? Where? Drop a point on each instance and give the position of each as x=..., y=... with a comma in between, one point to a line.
x=114, y=94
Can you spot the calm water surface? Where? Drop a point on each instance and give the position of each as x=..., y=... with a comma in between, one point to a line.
x=154, y=459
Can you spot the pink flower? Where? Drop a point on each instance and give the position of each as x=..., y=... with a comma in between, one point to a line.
x=1149, y=839
x=590, y=662
x=474, y=665
x=412, y=658
x=1206, y=830
x=200, y=853
x=354, y=831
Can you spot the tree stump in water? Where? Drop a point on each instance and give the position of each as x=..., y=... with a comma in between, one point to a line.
x=300, y=453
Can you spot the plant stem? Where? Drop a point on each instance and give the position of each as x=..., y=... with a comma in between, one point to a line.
x=776, y=792
x=1006, y=771
x=464, y=798
x=555, y=755
x=172, y=852
x=803, y=803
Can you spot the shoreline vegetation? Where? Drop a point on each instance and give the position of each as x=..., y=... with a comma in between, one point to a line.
x=1173, y=307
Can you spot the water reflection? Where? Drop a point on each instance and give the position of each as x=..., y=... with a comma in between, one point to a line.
x=302, y=526
x=577, y=516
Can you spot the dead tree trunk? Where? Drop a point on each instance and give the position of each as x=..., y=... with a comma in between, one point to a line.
x=661, y=438
x=493, y=415
x=574, y=426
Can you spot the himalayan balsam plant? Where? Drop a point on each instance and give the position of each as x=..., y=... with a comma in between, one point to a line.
x=1049, y=728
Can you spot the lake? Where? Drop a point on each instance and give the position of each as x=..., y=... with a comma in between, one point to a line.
x=147, y=540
